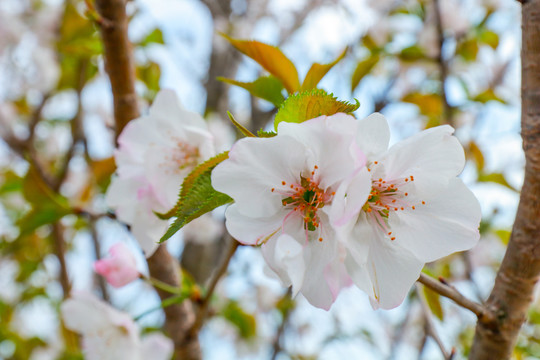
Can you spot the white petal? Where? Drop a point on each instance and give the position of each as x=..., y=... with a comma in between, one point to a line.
x=359, y=239
x=254, y=167
x=330, y=148
x=122, y=196
x=147, y=228
x=373, y=135
x=433, y=152
x=350, y=196
x=446, y=224
x=167, y=106
x=393, y=270
x=156, y=346
x=86, y=314
x=252, y=231
x=289, y=254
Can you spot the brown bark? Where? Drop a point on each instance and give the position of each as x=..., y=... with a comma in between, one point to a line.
x=120, y=67
x=118, y=60
x=180, y=317
x=520, y=269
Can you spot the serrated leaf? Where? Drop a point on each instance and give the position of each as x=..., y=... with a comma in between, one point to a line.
x=311, y=104
x=496, y=178
x=265, y=134
x=434, y=302
x=271, y=59
x=318, y=71
x=244, y=322
x=267, y=88
x=155, y=37
x=362, y=69
x=239, y=126
x=429, y=104
x=197, y=196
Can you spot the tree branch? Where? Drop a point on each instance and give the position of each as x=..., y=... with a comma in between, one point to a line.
x=120, y=67
x=513, y=290
x=443, y=288
x=443, y=65
x=119, y=61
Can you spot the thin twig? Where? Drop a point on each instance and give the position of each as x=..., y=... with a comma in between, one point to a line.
x=60, y=250
x=430, y=326
x=203, y=305
x=97, y=252
x=443, y=288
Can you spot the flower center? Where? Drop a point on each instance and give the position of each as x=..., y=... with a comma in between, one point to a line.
x=385, y=197
x=184, y=156
x=305, y=198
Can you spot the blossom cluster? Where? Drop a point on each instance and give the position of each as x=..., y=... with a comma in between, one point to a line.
x=330, y=205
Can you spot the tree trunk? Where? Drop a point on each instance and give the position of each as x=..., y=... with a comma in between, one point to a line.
x=520, y=269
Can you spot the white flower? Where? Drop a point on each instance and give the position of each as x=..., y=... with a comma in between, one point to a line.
x=109, y=334
x=155, y=153
x=418, y=210
x=283, y=189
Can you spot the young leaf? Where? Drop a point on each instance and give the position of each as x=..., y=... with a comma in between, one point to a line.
x=429, y=104
x=318, y=71
x=271, y=59
x=240, y=127
x=311, y=104
x=246, y=323
x=197, y=196
x=434, y=302
x=267, y=88
x=362, y=69
x=265, y=134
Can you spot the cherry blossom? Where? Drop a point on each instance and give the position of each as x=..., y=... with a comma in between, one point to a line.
x=109, y=334
x=417, y=211
x=283, y=188
x=155, y=153
x=120, y=268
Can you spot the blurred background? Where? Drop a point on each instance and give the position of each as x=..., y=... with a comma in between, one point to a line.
x=422, y=63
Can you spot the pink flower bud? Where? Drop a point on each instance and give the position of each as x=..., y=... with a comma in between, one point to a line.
x=120, y=268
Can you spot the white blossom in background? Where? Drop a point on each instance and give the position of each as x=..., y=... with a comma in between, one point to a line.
x=283, y=189
x=109, y=334
x=418, y=211
x=155, y=154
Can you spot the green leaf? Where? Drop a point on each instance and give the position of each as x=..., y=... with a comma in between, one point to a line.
x=429, y=104
x=155, y=37
x=10, y=182
x=504, y=235
x=271, y=59
x=265, y=134
x=150, y=75
x=489, y=37
x=412, y=53
x=496, y=178
x=311, y=104
x=362, y=69
x=197, y=196
x=246, y=324
x=487, y=95
x=468, y=49
x=266, y=87
x=239, y=126
x=47, y=206
x=434, y=302
x=477, y=155
x=318, y=71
